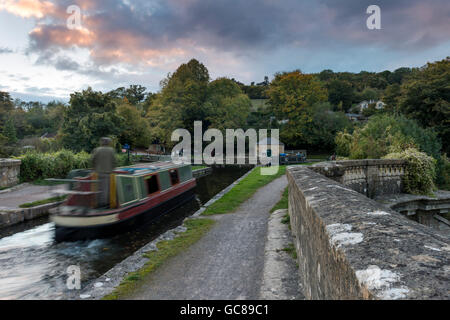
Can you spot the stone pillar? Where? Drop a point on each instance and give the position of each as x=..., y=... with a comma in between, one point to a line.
x=9, y=172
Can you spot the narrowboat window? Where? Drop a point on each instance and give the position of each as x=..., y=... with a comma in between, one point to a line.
x=174, y=176
x=152, y=184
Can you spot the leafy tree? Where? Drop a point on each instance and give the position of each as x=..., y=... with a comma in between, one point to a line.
x=291, y=96
x=6, y=106
x=340, y=92
x=325, y=124
x=369, y=94
x=226, y=105
x=426, y=98
x=9, y=131
x=180, y=102
x=136, y=129
x=90, y=116
x=391, y=96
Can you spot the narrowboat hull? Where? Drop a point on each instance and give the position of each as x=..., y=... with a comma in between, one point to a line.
x=73, y=228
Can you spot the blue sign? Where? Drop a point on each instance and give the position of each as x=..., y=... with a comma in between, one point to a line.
x=126, y=146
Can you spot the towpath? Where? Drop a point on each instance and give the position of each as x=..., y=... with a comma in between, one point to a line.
x=24, y=193
x=228, y=262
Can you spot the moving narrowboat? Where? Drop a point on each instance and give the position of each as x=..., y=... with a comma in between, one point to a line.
x=137, y=194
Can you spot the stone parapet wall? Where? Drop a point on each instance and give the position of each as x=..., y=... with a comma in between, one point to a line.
x=9, y=172
x=371, y=177
x=351, y=247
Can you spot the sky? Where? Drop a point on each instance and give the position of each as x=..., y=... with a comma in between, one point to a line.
x=45, y=56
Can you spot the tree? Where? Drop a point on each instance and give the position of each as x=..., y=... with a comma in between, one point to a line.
x=291, y=96
x=226, y=105
x=180, y=102
x=426, y=98
x=325, y=124
x=369, y=94
x=340, y=91
x=90, y=116
x=9, y=131
x=391, y=96
x=135, y=94
x=136, y=129
x=6, y=106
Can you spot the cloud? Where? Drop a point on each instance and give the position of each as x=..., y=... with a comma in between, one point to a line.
x=162, y=33
x=27, y=8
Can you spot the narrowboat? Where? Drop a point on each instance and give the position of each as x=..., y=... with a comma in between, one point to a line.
x=137, y=195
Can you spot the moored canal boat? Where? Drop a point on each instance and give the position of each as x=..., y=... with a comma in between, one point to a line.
x=137, y=195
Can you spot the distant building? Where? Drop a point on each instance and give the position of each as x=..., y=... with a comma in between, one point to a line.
x=365, y=104
x=266, y=147
x=379, y=105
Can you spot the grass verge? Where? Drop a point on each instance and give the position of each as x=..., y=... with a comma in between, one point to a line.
x=242, y=191
x=196, y=228
x=283, y=203
x=290, y=249
x=41, y=202
x=42, y=182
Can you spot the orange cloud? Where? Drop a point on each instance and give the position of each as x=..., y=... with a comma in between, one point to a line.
x=63, y=37
x=27, y=8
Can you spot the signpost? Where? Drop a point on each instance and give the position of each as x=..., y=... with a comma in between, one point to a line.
x=126, y=146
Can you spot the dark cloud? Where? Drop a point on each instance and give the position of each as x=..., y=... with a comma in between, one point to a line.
x=154, y=31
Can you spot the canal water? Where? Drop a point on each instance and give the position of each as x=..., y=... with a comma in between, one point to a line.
x=34, y=266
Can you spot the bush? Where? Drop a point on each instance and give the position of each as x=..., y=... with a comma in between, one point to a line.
x=37, y=166
x=384, y=134
x=343, y=143
x=122, y=159
x=420, y=171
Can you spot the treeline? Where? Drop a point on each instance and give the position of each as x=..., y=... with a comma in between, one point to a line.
x=309, y=109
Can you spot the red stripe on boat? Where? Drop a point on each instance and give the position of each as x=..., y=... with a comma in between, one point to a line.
x=147, y=204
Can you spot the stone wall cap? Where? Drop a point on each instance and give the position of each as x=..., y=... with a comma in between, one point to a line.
x=7, y=161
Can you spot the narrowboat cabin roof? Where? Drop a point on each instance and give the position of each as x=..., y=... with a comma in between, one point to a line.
x=145, y=168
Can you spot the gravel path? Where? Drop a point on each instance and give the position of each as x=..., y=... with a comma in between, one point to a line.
x=227, y=263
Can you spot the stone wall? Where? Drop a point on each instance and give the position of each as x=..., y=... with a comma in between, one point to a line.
x=351, y=247
x=372, y=177
x=9, y=172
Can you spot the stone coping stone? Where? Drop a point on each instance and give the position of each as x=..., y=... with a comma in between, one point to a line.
x=361, y=241
x=364, y=162
x=4, y=162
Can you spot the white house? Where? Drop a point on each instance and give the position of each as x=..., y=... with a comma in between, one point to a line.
x=379, y=105
x=365, y=104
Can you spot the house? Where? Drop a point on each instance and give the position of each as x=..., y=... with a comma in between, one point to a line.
x=266, y=147
x=379, y=105
x=365, y=104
